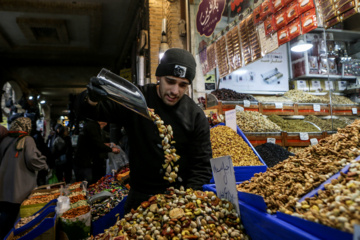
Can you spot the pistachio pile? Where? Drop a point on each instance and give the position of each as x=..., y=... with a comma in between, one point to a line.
x=271, y=99
x=225, y=141
x=179, y=214
x=250, y=121
x=282, y=185
x=303, y=97
x=337, y=206
x=293, y=125
x=326, y=124
x=337, y=99
x=166, y=133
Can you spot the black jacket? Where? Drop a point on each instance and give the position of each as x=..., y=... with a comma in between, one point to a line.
x=190, y=130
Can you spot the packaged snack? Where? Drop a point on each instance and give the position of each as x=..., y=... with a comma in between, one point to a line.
x=326, y=3
x=294, y=28
x=256, y=14
x=335, y=20
x=313, y=65
x=323, y=69
x=308, y=21
x=305, y=5
x=283, y=35
x=343, y=2
x=348, y=14
x=292, y=11
x=266, y=9
x=332, y=66
x=346, y=7
x=280, y=19
x=278, y=4
x=270, y=26
x=330, y=15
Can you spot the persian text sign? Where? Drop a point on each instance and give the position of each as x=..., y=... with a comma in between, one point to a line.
x=208, y=15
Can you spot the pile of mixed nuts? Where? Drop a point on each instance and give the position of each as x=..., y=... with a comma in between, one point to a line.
x=180, y=214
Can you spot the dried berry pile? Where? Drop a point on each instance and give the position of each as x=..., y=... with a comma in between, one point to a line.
x=231, y=95
x=272, y=154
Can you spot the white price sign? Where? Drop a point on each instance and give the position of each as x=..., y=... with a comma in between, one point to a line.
x=271, y=140
x=223, y=172
x=230, y=119
x=279, y=105
x=317, y=107
x=354, y=111
x=246, y=103
x=313, y=141
x=356, y=235
x=239, y=108
x=304, y=136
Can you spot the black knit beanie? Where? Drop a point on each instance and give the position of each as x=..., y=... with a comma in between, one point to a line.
x=177, y=62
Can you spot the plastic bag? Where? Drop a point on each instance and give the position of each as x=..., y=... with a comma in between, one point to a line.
x=116, y=161
x=52, y=177
x=78, y=227
x=63, y=204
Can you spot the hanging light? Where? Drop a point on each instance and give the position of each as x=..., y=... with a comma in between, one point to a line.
x=301, y=46
x=42, y=101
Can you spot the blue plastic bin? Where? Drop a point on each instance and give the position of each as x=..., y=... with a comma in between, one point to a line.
x=44, y=225
x=263, y=226
x=109, y=219
x=317, y=229
x=243, y=173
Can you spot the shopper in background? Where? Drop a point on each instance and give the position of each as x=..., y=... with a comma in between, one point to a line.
x=190, y=128
x=20, y=161
x=91, y=152
x=69, y=156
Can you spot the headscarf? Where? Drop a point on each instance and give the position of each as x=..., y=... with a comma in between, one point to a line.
x=20, y=128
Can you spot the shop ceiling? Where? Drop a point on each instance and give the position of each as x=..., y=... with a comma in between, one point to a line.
x=54, y=47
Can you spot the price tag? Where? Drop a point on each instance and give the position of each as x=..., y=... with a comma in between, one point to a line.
x=271, y=140
x=314, y=141
x=230, y=119
x=279, y=105
x=48, y=187
x=356, y=235
x=223, y=172
x=316, y=107
x=354, y=111
x=239, y=108
x=246, y=103
x=304, y=136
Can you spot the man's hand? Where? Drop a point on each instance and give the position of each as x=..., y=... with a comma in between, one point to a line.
x=115, y=150
x=95, y=92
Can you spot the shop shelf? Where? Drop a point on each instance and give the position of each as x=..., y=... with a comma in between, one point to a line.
x=271, y=108
x=345, y=109
x=308, y=109
x=258, y=138
x=243, y=173
x=293, y=138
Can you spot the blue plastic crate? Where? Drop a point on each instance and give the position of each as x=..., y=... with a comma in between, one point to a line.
x=45, y=224
x=263, y=226
x=109, y=219
x=243, y=173
x=317, y=229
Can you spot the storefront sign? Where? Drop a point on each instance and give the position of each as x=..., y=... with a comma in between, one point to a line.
x=208, y=15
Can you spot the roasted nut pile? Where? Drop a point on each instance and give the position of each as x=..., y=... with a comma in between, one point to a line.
x=249, y=121
x=26, y=220
x=101, y=208
x=293, y=125
x=271, y=99
x=231, y=95
x=180, y=214
x=166, y=133
x=39, y=200
x=225, y=141
x=282, y=185
x=337, y=206
x=76, y=198
x=74, y=212
x=296, y=150
x=326, y=124
x=303, y=97
x=337, y=99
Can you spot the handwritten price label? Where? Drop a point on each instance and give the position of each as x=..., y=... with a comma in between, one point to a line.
x=271, y=140
x=304, y=136
x=223, y=172
x=317, y=108
x=230, y=119
x=246, y=103
x=314, y=141
x=354, y=111
x=279, y=105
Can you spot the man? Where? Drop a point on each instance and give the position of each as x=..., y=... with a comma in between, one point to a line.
x=146, y=156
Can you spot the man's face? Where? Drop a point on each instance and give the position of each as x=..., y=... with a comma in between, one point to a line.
x=172, y=89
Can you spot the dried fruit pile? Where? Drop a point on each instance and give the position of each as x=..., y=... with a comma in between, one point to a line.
x=179, y=214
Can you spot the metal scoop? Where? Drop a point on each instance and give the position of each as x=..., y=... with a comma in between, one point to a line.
x=124, y=92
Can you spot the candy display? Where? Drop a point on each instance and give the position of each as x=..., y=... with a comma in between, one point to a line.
x=225, y=141
x=101, y=208
x=180, y=214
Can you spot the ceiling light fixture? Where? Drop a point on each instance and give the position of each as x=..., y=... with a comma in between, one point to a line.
x=301, y=46
x=31, y=97
x=42, y=101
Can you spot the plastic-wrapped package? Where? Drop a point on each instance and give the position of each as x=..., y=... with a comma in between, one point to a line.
x=292, y=11
x=294, y=28
x=280, y=19
x=313, y=65
x=283, y=35
x=305, y=5
x=278, y=4
x=308, y=21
